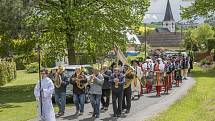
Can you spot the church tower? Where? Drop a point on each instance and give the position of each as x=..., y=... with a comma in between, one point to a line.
x=169, y=21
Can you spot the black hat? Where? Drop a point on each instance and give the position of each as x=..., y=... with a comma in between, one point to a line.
x=134, y=61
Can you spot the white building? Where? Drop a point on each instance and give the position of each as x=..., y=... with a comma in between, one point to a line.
x=169, y=21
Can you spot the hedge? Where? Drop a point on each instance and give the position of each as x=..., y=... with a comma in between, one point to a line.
x=7, y=72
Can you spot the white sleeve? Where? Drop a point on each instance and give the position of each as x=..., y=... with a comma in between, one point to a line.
x=140, y=72
x=144, y=67
x=49, y=91
x=37, y=91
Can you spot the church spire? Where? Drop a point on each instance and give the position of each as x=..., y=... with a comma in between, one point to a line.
x=168, y=14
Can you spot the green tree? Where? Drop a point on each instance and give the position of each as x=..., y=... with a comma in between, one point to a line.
x=189, y=43
x=201, y=35
x=85, y=26
x=203, y=8
x=13, y=28
x=198, y=38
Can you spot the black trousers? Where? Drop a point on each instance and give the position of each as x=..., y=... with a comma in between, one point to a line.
x=117, y=102
x=105, y=93
x=126, y=102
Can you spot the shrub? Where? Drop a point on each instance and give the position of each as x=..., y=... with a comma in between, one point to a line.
x=205, y=62
x=7, y=72
x=32, y=67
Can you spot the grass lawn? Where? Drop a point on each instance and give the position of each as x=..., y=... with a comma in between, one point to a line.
x=17, y=102
x=17, y=99
x=198, y=104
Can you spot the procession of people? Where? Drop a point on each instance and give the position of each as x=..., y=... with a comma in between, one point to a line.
x=117, y=81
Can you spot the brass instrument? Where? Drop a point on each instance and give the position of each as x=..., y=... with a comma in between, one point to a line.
x=92, y=77
x=78, y=79
x=128, y=82
x=57, y=80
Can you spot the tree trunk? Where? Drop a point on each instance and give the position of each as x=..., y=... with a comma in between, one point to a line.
x=70, y=40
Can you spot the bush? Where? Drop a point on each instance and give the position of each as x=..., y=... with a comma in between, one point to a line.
x=7, y=72
x=205, y=62
x=32, y=68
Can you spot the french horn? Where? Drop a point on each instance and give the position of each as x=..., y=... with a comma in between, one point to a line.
x=78, y=82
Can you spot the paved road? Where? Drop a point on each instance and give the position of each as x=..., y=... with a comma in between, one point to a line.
x=146, y=107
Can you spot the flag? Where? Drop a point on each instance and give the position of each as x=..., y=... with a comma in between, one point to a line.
x=120, y=56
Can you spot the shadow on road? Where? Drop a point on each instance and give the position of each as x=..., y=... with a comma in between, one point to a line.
x=71, y=117
x=88, y=119
x=111, y=118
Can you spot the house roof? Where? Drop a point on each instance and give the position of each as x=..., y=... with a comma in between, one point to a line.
x=168, y=14
x=163, y=39
x=159, y=30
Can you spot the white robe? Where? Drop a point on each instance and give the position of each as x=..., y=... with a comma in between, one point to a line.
x=138, y=71
x=47, y=107
x=136, y=85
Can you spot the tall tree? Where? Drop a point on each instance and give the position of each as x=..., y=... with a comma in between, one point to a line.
x=12, y=26
x=87, y=26
x=198, y=38
x=202, y=8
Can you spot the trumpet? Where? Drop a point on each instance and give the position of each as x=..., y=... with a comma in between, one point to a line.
x=92, y=77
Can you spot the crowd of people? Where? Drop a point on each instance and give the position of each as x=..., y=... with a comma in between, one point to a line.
x=115, y=81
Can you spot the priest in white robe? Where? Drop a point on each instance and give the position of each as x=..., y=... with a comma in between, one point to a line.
x=47, y=89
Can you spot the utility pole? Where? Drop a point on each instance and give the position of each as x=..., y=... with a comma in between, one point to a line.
x=145, y=39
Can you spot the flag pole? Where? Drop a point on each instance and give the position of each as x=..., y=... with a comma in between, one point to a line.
x=40, y=83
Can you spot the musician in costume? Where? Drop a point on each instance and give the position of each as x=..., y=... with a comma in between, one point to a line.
x=158, y=72
x=172, y=68
x=137, y=69
x=105, y=99
x=148, y=75
x=79, y=81
x=46, y=89
x=167, y=80
x=117, y=81
x=60, y=82
x=178, y=77
x=129, y=76
x=96, y=82
x=137, y=85
x=185, y=65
